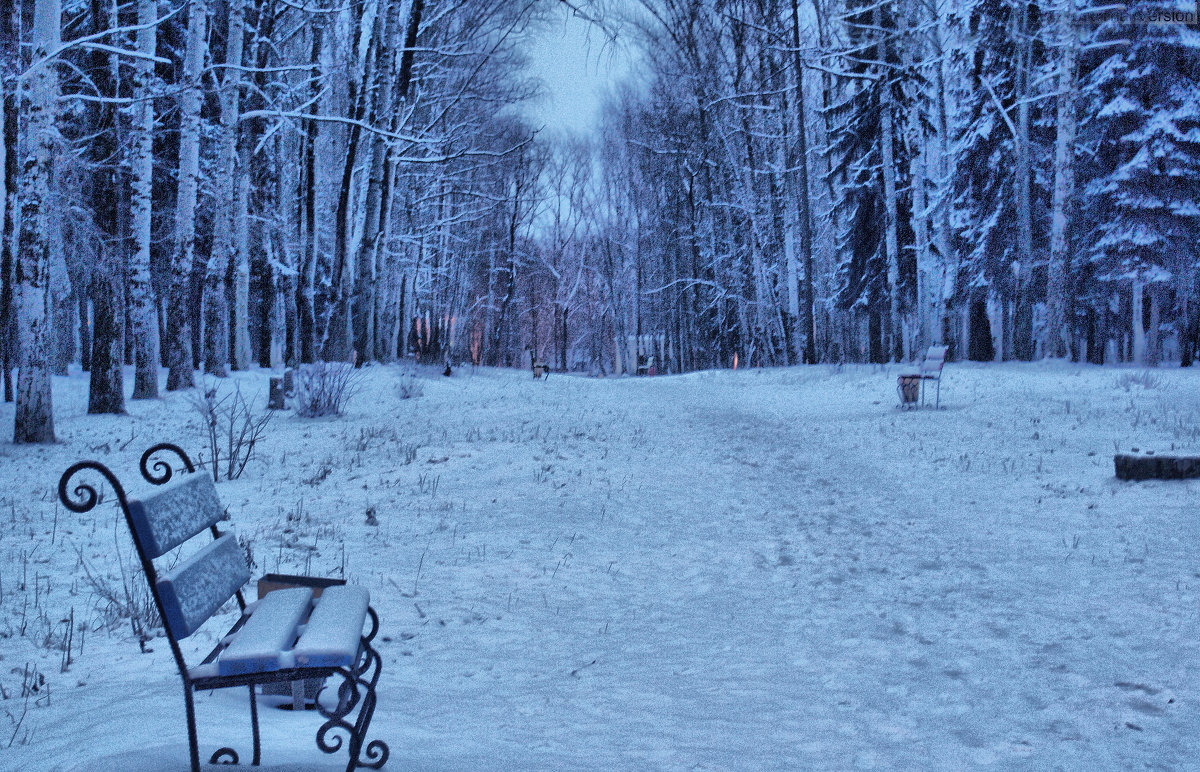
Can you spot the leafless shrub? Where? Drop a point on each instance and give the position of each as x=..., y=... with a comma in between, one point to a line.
x=1146, y=379
x=410, y=387
x=233, y=429
x=324, y=388
x=122, y=598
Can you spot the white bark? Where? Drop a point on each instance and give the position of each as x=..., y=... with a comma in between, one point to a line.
x=372, y=228
x=1022, y=335
x=947, y=273
x=240, y=318
x=141, y=291
x=179, y=336
x=216, y=303
x=3, y=169
x=34, y=420
x=925, y=303
x=1153, y=339
x=1139, y=328
x=891, y=239
x=1057, y=331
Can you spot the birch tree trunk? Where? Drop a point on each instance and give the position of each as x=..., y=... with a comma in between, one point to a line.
x=179, y=317
x=6, y=288
x=288, y=178
x=1057, y=333
x=106, y=385
x=947, y=274
x=1153, y=339
x=1138, y=322
x=368, y=256
x=34, y=420
x=306, y=319
x=338, y=337
x=220, y=260
x=240, y=317
x=1022, y=333
x=891, y=238
x=803, y=207
x=925, y=305
x=141, y=291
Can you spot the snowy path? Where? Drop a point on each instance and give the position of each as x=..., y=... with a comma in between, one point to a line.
x=763, y=570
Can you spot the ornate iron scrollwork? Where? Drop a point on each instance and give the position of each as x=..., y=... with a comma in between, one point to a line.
x=83, y=497
x=355, y=690
x=161, y=472
x=224, y=756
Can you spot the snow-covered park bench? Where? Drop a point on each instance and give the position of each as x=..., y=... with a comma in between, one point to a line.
x=285, y=636
x=910, y=385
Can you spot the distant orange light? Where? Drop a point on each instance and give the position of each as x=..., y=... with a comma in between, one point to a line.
x=735, y=360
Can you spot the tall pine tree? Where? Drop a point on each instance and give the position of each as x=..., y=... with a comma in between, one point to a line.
x=1142, y=204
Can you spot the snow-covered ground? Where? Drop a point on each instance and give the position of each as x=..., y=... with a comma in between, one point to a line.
x=736, y=570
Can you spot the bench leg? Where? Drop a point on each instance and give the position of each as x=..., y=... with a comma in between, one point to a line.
x=193, y=742
x=228, y=755
x=254, y=727
x=363, y=675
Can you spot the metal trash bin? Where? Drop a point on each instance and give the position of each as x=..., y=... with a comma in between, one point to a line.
x=909, y=388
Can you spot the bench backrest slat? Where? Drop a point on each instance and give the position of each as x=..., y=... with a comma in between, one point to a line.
x=170, y=516
x=195, y=589
x=934, y=359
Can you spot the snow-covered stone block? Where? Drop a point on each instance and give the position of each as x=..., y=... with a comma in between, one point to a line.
x=334, y=629
x=196, y=588
x=175, y=513
x=270, y=630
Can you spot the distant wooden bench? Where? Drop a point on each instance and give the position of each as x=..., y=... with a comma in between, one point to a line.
x=288, y=635
x=1155, y=467
x=911, y=385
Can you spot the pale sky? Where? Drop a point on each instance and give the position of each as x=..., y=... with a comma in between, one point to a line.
x=577, y=65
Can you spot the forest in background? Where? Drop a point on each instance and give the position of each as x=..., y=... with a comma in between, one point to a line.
x=197, y=186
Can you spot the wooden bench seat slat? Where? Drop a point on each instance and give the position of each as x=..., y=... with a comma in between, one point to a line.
x=334, y=630
x=270, y=630
x=194, y=590
x=168, y=517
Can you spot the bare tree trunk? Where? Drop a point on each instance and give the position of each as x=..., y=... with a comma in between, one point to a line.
x=240, y=318
x=368, y=256
x=891, y=238
x=338, y=338
x=1153, y=339
x=144, y=307
x=288, y=201
x=220, y=260
x=1139, y=324
x=179, y=316
x=947, y=275
x=106, y=385
x=807, y=329
x=8, y=179
x=307, y=277
x=1022, y=333
x=1057, y=334
x=34, y=420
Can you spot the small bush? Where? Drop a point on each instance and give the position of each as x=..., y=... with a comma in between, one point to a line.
x=410, y=387
x=324, y=388
x=125, y=598
x=233, y=429
x=1146, y=379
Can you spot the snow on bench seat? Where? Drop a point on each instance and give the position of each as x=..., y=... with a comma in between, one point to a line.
x=335, y=628
x=270, y=630
x=194, y=590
